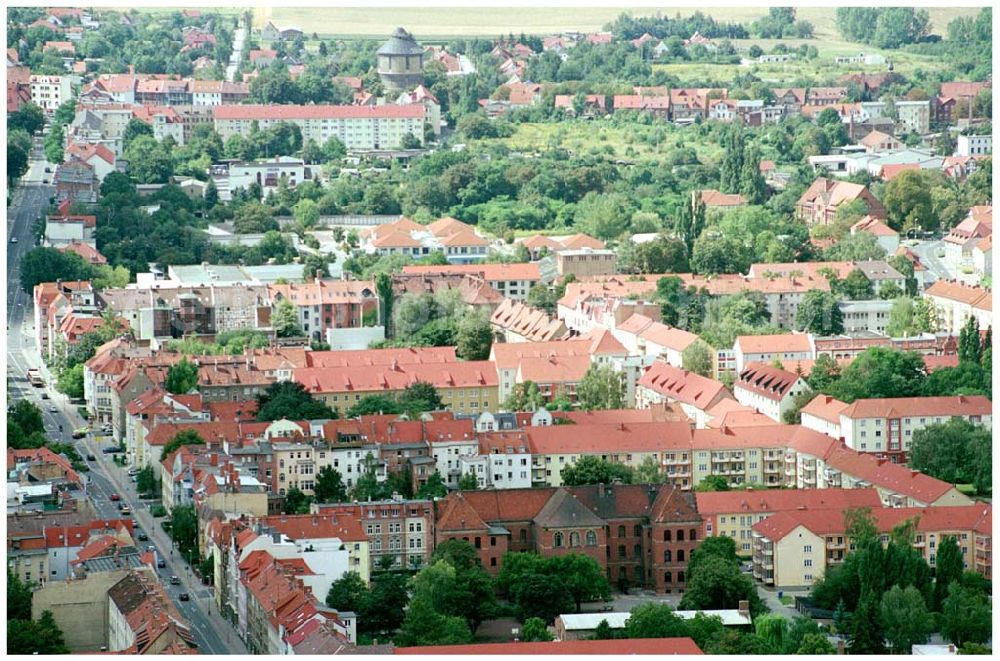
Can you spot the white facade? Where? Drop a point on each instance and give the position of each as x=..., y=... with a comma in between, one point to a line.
x=873, y=434
x=772, y=407
x=447, y=457
x=60, y=233
x=973, y=145
x=861, y=316
x=501, y=470
x=50, y=92
x=914, y=115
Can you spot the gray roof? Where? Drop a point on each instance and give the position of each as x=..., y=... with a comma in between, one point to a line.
x=401, y=43
x=563, y=510
x=878, y=270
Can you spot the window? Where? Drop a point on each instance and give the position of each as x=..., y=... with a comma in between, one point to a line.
x=493, y=562
x=666, y=556
x=807, y=548
x=693, y=535
x=680, y=577
x=591, y=538
x=666, y=535
x=680, y=555
x=523, y=535
x=680, y=535
x=621, y=551
x=637, y=531
x=574, y=539
x=557, y=540
x=667, y=577
x=621, y=531
x=807, y=563
x=637, y=551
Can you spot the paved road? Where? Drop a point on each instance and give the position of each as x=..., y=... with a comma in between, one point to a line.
x=212, y=634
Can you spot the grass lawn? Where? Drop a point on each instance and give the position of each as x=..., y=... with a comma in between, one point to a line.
x=787, y=601
x=440, y=22
x=635, y=143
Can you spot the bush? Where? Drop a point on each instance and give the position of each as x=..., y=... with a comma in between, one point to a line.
x=157, y=511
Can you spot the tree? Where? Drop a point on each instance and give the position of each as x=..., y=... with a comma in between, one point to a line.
x=580, y=576
x=713, y=483
x=772, y=629
x=717, y=583
x=855, y=287
x=48, y=265
x=661, y=255
x=70, y=381
x=889, y=291
x=182, y=378
x=146, y=482
x=535, y=631
x=329, y=487
x=18, y=597
x=134, y=129
x=601, y=388
x=965, y=616
x=816, y=643
x=593, y=470
x=880, y=372
x=29, y=118
x=419, y=397
x=434, y=487
x=384, y=608
x=374, y=405
x=348, y=593
x=955, y=451
x=211, y=194
x=423, y=625
x=604, y=215
x=383, y=285
x=905, y=619
x=149, y=161
x=697, y=358
x=948, y=569
x=285, y=319
x=35, y=637
x=296, y=502
x=290, y=400
x=654, y=620
x=525, y=397
x=254, y=218
x=468, y=482
x=908, y=203
x=969, y=346
x=184, y=530
x=819, y=313
x=306, y=213
x=752, y=185
x=474, y=337
x=866, y=629
x=183, y=437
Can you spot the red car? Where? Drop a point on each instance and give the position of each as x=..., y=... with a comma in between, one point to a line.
x=115, y=497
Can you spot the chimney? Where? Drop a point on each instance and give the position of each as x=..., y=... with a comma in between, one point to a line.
x=744, y=607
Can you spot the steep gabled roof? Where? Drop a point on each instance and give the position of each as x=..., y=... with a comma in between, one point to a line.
x=563, y=510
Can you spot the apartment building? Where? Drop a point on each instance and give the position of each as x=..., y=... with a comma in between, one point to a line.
x=50, y=92
x=324, y=304
x=818, y=205
x=795, y=548
x=460, y=243
x=733, y=513
x=512, y=280
x=358, y=127
x=503, y=461
x=769, y=390
x=663, y=383
x=465, y=387
x=885, y=426
x=785, y=348
x=400, y=529
x=955, y=302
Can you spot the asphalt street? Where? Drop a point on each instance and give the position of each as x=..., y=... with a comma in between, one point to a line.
x=212, y=634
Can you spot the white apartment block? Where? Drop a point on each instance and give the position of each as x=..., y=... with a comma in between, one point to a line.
x=50, y=92
x=861, y=316
x=968, y=145
x=358, y=127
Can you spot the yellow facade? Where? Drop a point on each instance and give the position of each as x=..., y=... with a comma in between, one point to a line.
x=459, y=400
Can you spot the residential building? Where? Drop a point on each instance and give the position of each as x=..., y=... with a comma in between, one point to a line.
x=733, y=513
x=324, y=304
x=358, y=127
x=61, y=231
x=459, y=242
x=142, y=619
x=974, y=145
x=512, y=280
x=766, y=349
x=516, y=322
x=664, y=383
x=887, y=237
x=398, y=528
x=955, y=302
x=767, y=389
x=796, y=548
x=914, y=116
x=586, y=262
x=818, y=205
x=885, y=426
x=50, y=92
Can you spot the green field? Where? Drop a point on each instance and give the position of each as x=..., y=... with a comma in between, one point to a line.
x=632, y=143
x=439, y=22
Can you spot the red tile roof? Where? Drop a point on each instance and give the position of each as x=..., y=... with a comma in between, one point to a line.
x=778, y=343
x=919, y=406
x=469, y=374
x=248, y=112
x=765, y=380
x=316, y=526
x=825, y=407
x=492, y=272
x=605, y=438
x=778, y=500
x=381, y=357
x=682, y=385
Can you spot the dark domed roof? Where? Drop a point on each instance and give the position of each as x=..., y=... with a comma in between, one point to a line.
x=401, y=43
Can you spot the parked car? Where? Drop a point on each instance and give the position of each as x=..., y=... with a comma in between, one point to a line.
x=142, y=537
x=161, y=563
x=184, y=596
x=91, y=457
x=80, y=433
x=174, y=580
x=13, y=239
x=110, y=450
x=126, y=511
x=44, y=395
x=115, y=498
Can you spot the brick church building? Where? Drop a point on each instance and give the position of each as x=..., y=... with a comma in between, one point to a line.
x=641, y=535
